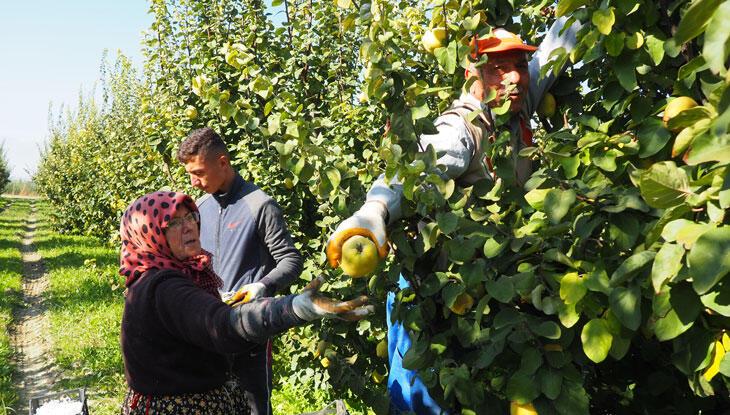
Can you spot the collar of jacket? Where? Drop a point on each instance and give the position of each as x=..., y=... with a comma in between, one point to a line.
x=224, y=199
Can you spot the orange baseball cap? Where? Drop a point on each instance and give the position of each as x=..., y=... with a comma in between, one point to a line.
x=501, y=41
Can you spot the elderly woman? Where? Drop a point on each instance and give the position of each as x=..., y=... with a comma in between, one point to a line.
x=175, y=328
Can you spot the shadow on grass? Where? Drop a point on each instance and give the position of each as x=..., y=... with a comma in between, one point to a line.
x=75, y=259
x=107, y=368
x=87, y=292
x=10, y=299
x=51, y=242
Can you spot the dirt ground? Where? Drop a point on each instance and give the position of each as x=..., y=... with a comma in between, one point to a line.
x=29, y=336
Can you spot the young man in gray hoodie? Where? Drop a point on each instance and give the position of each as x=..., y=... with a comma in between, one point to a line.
x=252, y=248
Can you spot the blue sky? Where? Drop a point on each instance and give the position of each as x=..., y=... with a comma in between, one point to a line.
x=49, y=50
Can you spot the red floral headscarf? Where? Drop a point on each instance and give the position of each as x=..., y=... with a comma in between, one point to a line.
x=145, y=247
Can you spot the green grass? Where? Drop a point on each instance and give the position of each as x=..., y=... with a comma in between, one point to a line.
x=85, y=305
x=12, y=226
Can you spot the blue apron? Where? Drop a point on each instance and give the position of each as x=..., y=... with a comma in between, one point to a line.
x=407, y=391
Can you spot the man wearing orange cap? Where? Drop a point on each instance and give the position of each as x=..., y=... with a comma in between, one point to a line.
x=458, y=148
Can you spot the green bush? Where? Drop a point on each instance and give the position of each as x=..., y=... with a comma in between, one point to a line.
x=4, y=169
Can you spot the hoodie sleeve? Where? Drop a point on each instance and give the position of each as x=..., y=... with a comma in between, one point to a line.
x=273, y=232
x=196, y=317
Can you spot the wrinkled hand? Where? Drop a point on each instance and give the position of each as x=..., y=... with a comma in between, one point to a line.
x=312, y=305
x=247, y=293
x=369, y=221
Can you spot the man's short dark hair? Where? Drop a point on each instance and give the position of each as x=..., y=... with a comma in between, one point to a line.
x=202, y=142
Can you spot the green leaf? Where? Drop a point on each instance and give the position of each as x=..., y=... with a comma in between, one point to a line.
x=597, y=280
x=631, y=266
x=675, y=311
x=572, y=288
x=273, y=123
x=688, y=117
x=672, y=228
x=604, y=19
x=506, y=317
x=626, y=306
x=668, y=216
x=226, y=110
x=695, y=19
x=418, y=355
x=521, y=388
x=614, y=43
x=596, y=339
x=551, y=382
x=655, y=47
x=447, y=222
x=531, y=361
x=429, y=234
x=471, y=23
x=718, y=300
x=344, y=4
x=724, y=197
x=557, y=204
x=536, y=198
x=492, y=247
x=446, y=57
x=708, y=147
x=664, y=185
x=419, y=112
x=566, y=313
x=502, y=289
x=573, y=399
x=334, y=177
x=653, y=136
x=625, y=70
x=285, y=149
x=709, y=259
x=570, y=166
x=725, y=365
x=262, y=87
x=567, y=6
x=691, y=68
x=688, y=234
x=548, y=329
x=667, y=263
x=606, y=161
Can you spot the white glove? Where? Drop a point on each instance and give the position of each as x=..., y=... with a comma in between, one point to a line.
x=248, y=292
x=312, y=305
x=369, y=221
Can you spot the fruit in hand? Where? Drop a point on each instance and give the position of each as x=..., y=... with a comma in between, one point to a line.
x=462, y=304
x=382, y=349
x=521, y=409
x=433, y=38
x=677, y=105
x=359, y=256
x=547, y=106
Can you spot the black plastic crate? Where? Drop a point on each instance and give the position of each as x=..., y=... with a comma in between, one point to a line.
x=78, y=395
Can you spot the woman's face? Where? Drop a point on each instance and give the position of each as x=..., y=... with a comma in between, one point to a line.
x=182, y=234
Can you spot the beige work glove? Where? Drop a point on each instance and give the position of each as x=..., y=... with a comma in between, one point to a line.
x=369, y=221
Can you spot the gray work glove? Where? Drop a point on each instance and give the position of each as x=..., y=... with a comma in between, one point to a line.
x=312, y=305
